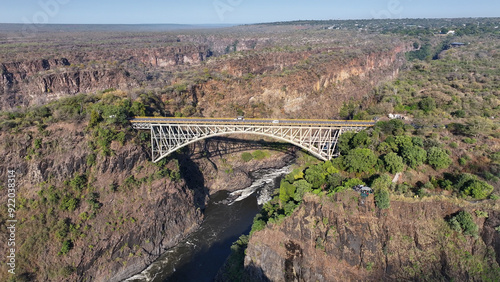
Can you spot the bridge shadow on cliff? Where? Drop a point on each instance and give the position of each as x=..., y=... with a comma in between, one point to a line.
x=193, y=176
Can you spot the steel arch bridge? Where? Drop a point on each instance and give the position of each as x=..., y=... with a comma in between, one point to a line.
x=319, y=137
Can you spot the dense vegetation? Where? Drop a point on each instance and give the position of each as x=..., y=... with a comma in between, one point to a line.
x=446, y=145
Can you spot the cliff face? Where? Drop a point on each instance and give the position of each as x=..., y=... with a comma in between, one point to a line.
x=39, y=81
x=304, y=84
x=344, y=240
x=133, y=223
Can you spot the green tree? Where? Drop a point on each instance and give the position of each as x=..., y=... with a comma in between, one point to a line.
x=427, y=104
x=394, y=126
x=315, y=175
x=344, y=142
x=413, y=156
x=382, y=199
x=302, y=187
x=360, y=140
x=403, y=141
x=287, y=191
x=385, y=148
x=334, y=180
x=138, y=109
x=328, y=168
x=382, y=182
x=478, y=189
x=438, y=158
x=393, y=163
x=463, y=222
x=360, y=160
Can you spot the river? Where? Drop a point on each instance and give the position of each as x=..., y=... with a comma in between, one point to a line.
x=227, y=216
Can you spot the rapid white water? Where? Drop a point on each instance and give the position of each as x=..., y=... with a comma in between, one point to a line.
x=264, y=180
x=227, y=216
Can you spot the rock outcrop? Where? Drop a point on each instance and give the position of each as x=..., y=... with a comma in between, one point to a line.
x=345, y=240
x=37, y=82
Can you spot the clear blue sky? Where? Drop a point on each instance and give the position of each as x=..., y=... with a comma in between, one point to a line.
x=234, y=11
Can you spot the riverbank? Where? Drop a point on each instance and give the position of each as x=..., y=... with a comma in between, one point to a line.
x=213, y=170
x=228, y=215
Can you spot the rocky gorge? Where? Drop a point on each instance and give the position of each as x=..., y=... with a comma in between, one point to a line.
x=345, y=238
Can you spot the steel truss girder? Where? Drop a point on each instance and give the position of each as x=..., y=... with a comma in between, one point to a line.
x=319, y=141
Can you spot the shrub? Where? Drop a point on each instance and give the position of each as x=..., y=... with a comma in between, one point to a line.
x=61, y=229
x=459, y=114
x=66, y=247
x=480, y=213
x=188, y=110
x=453, y=145
x=478, y=189
x=470, y=140
x=84, y=216
x=427, y=104
x=78, y=182
x=259, y=155
x=495, y=157
x=66, y=271
x=91, y=160
x=37, y=143
x=463, y=222
x=130, y=182
x=382, y=199
x=348, y=184
x=95, y=118
x=93, y=201
x=69, y=203
x=246, y=157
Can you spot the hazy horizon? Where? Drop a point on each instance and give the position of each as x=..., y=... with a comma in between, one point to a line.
x=234, y=12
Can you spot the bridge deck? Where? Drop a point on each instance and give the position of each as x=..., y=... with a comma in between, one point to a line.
x=251, y=121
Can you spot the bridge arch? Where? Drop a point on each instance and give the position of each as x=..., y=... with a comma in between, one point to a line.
x=180, y=146
x=319, y=141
